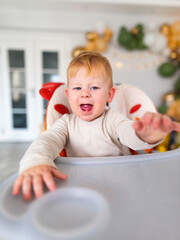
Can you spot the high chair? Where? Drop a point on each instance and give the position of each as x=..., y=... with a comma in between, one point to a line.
x=130, y=100
x=120, y=197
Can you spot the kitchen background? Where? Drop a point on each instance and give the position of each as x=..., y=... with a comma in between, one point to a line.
x=38, y=38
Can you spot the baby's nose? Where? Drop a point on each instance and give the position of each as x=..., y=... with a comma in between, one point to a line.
x=85, y=93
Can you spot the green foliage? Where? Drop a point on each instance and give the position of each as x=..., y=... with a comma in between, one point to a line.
x=167, y=69
x=132, y=41
x=177, y=85
x=162, y=109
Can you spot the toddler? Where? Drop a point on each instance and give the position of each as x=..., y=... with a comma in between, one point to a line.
x=91, y=131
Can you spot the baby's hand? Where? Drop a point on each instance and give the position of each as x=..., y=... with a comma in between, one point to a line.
x=153, y=127
x=34, y=178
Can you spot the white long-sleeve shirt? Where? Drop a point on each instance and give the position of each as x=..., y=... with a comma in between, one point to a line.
x=108, y=135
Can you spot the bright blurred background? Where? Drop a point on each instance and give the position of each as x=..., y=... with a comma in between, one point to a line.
x=38, y=38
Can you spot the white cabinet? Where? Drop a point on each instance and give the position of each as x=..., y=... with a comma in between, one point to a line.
x=24, y=67
x=51, y=67
x=17, y=81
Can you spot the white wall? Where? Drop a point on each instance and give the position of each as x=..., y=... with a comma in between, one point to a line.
x=69, y=20
x=78, y=17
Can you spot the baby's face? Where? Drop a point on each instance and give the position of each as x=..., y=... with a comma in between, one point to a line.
x=88, y=96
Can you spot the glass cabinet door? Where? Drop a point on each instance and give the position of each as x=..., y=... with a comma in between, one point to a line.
x=51, y=68
x=19, y=97
x=24, y=68
x=17, y=76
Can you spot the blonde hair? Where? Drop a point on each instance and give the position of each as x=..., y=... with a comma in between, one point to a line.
x=96, y=65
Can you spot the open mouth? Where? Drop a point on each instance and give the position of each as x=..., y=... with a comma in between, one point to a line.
x=86, y=107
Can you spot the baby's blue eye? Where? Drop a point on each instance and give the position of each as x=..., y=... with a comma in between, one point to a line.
x=77, y=88
x=94, y=88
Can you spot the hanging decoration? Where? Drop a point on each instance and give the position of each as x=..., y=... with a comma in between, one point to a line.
x=133, y=39
x=96, y=40
x=172, y=35
x=167, y=69
x=171, y=107
x=165, y=42
x=168, y=102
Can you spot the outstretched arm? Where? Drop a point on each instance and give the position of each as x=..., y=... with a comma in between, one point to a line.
x=37, y=166
x=153, y=127
x=32, y=180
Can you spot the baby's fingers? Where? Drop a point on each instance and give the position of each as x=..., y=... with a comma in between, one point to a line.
x=137, y=126
x=38, y=186
x=153, y=120
x=57, y=174
x=147, y=118
x=176, y=126
x=156, y=121
x=17, y=185
x=26, y=187
x=167, y=124
x=49, y=181
x=142, y=125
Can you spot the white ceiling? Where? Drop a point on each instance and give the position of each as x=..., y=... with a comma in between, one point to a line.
x=91, y=5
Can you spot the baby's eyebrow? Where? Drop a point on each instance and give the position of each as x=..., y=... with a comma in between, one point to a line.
x=75, y=84
x=96, y=83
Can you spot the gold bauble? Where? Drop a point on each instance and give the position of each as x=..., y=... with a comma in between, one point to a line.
x=101, y=45
x=173, y=55
x=173, y=37
x=178, y=41
x=135, y=30
x=176, y=27
x=168, y=98
x=172, y=45
x=90, y=46
x=77, y=50
x=174, y=110
x=108, y=34
x=165, y=29
x=91, y=36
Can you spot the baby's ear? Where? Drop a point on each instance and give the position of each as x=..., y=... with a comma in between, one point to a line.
x=112, y=92
x=67, y=92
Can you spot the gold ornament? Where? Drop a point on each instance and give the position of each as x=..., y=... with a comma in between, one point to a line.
x=168, y=98
x=135, y=30
x=173, y=37
x=77, y=50
x=174, y=110
x=172, y=45
x=101, y=45
x=91, y=36
x=173, y=55
x=90, y=46
x=172, y=33
x=95, y=42
x=108, y=34
x=165, y=29
x=176, y=27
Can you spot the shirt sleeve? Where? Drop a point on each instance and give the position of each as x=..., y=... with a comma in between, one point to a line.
x=124, y=131
x=45, y=149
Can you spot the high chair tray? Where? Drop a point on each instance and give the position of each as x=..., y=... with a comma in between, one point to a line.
x=126, y=197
